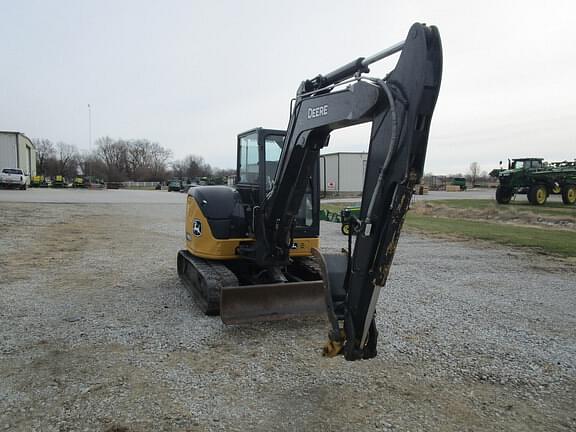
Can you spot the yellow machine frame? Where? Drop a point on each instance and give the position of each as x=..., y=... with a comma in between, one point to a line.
x=205, y=245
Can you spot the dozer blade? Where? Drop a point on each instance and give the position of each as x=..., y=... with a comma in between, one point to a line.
x=269, y=302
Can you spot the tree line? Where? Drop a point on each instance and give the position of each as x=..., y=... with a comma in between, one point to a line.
x=116, y=160
x=475, y=176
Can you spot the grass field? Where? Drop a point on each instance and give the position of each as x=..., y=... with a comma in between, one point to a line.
x=550, y=208
x=549, y=229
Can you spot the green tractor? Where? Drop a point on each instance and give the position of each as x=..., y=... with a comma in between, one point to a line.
x=349, y=217
x=537, y=179
x=460, y=182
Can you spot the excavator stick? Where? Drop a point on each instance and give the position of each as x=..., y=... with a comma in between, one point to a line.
x=270, y=302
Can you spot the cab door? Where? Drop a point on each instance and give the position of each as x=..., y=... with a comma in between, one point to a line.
x=259, y=151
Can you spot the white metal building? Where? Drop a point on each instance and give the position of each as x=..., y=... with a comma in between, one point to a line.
x=17, y=151
x=342, y=173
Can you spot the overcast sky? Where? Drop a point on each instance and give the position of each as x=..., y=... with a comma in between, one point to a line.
x=191, y=75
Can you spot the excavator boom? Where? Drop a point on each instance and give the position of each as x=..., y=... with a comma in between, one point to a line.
x=400, y=108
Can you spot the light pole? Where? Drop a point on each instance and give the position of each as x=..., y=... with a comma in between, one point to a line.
x=89, y=141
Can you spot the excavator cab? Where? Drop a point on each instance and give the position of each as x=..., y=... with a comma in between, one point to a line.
x=258, y=154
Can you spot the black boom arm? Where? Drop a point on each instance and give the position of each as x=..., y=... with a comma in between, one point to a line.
x=400, y=108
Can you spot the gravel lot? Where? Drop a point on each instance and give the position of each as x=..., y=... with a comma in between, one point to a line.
x=97, y=333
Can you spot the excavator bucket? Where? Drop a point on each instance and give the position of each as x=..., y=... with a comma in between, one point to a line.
x=242, y=304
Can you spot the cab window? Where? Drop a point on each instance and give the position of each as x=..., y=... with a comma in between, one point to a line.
x=305, y=216
x=248, y=164
x=272, y=150
x=536, y=164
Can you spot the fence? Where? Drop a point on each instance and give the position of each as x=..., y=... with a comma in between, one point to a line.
x=135, y=184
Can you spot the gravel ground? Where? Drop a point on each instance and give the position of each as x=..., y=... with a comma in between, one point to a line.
x=97, y=333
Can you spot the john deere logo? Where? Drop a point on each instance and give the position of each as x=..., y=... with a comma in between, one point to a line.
x=197, y=228
x=319, y=111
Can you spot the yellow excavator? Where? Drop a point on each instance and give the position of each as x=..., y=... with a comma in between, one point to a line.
x=252, y=249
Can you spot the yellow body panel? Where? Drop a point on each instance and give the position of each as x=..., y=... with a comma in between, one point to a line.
x=205, y=245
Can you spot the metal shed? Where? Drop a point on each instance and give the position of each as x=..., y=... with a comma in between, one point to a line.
x=342, y=173
x=17, y=151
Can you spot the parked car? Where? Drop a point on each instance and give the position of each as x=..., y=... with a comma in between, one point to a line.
x=13, y=177
x=186, y=187
x=174, y=185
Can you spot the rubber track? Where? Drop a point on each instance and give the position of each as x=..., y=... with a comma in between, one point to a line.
x=213, y=276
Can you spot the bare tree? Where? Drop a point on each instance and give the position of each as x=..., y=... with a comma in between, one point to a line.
x=474, y=172
x=178, y=169
x=158, y=158
x=147, y=160
x=113, y=159
x=192, y=166
x=114, y=155
x=44, y=151
x=138, y=153
x=195, y=166
x=91, y=165
x=67, y=159
x=137, y=159
x=224, y=172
